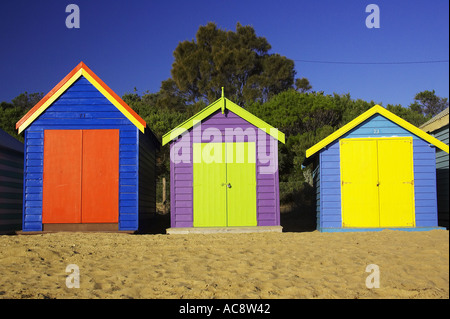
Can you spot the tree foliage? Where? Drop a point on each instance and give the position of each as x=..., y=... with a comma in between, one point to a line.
x=262, y=82
x=307, y=118
x=428, y=103
x=302, y=85
x=12, y=112
x=238, y=61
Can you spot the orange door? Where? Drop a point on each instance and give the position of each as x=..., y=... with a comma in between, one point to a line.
x=100, y=183
x=81, y=176
x=61, y=199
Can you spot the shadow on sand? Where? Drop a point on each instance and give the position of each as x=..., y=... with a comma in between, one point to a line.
x=291, y=219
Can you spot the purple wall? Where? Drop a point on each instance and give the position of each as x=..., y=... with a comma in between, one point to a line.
x=267, y=187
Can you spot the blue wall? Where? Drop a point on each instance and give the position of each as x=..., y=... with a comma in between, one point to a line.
x=378, y=126
x=82, y=106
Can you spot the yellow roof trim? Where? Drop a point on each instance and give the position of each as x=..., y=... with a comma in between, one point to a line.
x=50, y=101
x=113, y=101
x=389, y=115
x=249, y=117
x=64, y=85
x=223, y=103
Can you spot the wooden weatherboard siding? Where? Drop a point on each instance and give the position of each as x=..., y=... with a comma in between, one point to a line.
x=442, y=173
x=377, y=126
x=11, y=183
x=438, y=127
x=316, y=185
x=267, y=192
x=82, y=107
x=148, y=146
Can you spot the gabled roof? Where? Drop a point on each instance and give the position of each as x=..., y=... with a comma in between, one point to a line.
x=222, y=103
x=436, y=122
x=80, y=70
x=372, y=111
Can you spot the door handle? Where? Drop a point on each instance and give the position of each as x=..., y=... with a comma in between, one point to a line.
x=229, y=185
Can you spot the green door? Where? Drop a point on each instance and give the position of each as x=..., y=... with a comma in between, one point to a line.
x=241, y=184
x=210, y=195
x=224, y=184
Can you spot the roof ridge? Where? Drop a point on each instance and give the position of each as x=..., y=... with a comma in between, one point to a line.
x=436, y=117
x=377, y=109
x=213, y=107
x=80, y=70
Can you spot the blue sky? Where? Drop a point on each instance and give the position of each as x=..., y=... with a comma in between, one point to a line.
x=130, y=43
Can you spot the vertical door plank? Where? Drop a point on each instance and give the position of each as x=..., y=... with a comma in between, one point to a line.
x=241, y=178
x=359, y=179
x=395, y=162
x=209, y=184
x=61, y=199
x=100, y=183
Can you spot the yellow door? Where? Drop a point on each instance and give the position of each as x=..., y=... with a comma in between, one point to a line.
x=359, y=178
x=395, y=169
x=377, y=182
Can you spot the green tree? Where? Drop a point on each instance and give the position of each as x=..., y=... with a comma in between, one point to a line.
x=293, y=112
x=26, y=101
x=408, y=114
x=236, y=60
x=162, y=111
x=302, y=85
x=428, y=103
x=9, y=115
x=12, y=112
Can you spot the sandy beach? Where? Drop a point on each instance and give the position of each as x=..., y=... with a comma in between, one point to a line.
x=259, y=265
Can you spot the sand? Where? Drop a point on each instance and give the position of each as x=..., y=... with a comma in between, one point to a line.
x=259, y=265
